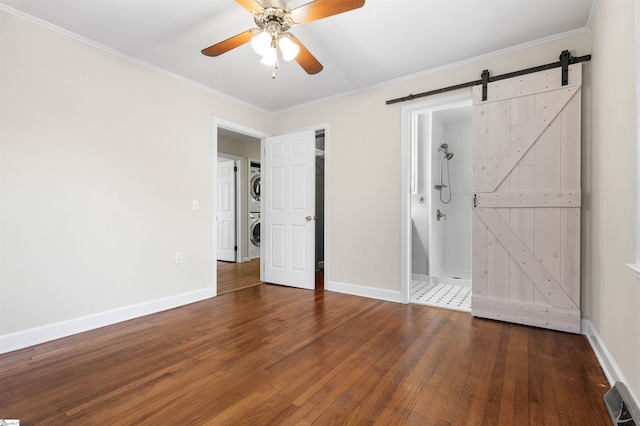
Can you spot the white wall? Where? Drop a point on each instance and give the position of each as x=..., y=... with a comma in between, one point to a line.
x=100, y=159
x=612, y=298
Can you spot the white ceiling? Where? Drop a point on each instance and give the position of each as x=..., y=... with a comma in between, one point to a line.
x=384, y=40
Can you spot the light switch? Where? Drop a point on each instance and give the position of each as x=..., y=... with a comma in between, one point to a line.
x=196, y=205
x=179, y=257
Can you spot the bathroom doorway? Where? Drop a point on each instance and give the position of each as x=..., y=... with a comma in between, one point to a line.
x=438, y=204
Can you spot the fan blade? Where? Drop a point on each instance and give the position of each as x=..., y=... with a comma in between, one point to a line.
x=307, y=61
x=323, y=8
x=228, y=44
x=276, y=4
x=251, y=5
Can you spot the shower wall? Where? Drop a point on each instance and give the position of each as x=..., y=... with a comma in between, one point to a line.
x=436, y=238
x=451, y=237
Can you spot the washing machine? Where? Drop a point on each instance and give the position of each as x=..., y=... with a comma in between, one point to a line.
x=254, y=186
x=254, y=235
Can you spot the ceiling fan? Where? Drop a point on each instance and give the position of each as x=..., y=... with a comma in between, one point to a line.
x=274, y=19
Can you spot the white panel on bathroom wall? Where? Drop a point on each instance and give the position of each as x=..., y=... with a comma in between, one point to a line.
x=420, y=201
x=436, y=234
x=457, y=228
x=458, y=135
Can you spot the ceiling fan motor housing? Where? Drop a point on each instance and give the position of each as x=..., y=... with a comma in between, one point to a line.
x=274, y=21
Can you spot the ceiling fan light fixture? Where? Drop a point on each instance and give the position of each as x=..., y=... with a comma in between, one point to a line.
x=289, y=49
x=274, y=19
x=261, y=43
x=270, y=58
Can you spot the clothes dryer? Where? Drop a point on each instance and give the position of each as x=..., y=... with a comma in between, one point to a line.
x=254, y=235
x=254, y=186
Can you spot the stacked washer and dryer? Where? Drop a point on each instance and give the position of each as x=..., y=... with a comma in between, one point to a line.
x=254, y=209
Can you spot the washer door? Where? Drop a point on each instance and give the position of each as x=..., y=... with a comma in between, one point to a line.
x=254, y=187
x=254, y=232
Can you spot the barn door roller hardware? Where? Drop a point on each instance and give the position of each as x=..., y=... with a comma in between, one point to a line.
x=565, y=60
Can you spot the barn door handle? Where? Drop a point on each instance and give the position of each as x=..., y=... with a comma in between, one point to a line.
x=475, y=200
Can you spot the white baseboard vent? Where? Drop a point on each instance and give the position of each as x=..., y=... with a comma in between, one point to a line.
x=621, y=406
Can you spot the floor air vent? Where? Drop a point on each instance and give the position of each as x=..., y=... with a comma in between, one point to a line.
x=621, y=407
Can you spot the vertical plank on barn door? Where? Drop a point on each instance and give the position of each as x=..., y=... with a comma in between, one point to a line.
x=522, y=219
x=498, y=141
x=526, y=222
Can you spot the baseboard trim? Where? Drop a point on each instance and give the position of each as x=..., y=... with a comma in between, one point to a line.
x=34, y=336
x=359, y=290
x=608, y=364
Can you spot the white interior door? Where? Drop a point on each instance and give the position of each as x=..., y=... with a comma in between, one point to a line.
x=526, y=222
x=226, y=215
x=288, y=197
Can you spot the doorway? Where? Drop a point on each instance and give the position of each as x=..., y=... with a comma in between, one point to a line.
x=437, y=140
x=242, y=145
x=244, y=271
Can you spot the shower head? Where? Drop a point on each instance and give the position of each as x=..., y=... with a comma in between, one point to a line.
x=445, y=149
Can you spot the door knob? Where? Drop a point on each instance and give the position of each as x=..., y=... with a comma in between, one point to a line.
x=309, y=218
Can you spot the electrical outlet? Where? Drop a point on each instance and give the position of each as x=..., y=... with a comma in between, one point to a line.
x=179, y=257
x=196, y=205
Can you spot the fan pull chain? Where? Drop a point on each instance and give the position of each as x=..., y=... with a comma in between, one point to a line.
x=275, y=67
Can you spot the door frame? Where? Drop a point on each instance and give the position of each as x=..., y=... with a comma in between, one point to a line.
x=238, y=128
x=408, y=119
x=239, y=182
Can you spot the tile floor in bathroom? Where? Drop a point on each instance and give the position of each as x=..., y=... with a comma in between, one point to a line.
x=445, y=296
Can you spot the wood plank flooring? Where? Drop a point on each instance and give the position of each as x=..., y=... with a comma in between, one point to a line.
x=234, y=276
x=276, y=355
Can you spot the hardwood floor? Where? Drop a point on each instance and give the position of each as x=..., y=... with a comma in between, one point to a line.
x=276, y=355
x=235, y=276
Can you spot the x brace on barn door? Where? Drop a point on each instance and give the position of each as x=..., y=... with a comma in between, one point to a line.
x=565, y=60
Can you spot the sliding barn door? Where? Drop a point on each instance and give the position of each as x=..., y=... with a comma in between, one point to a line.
x=526, y=221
